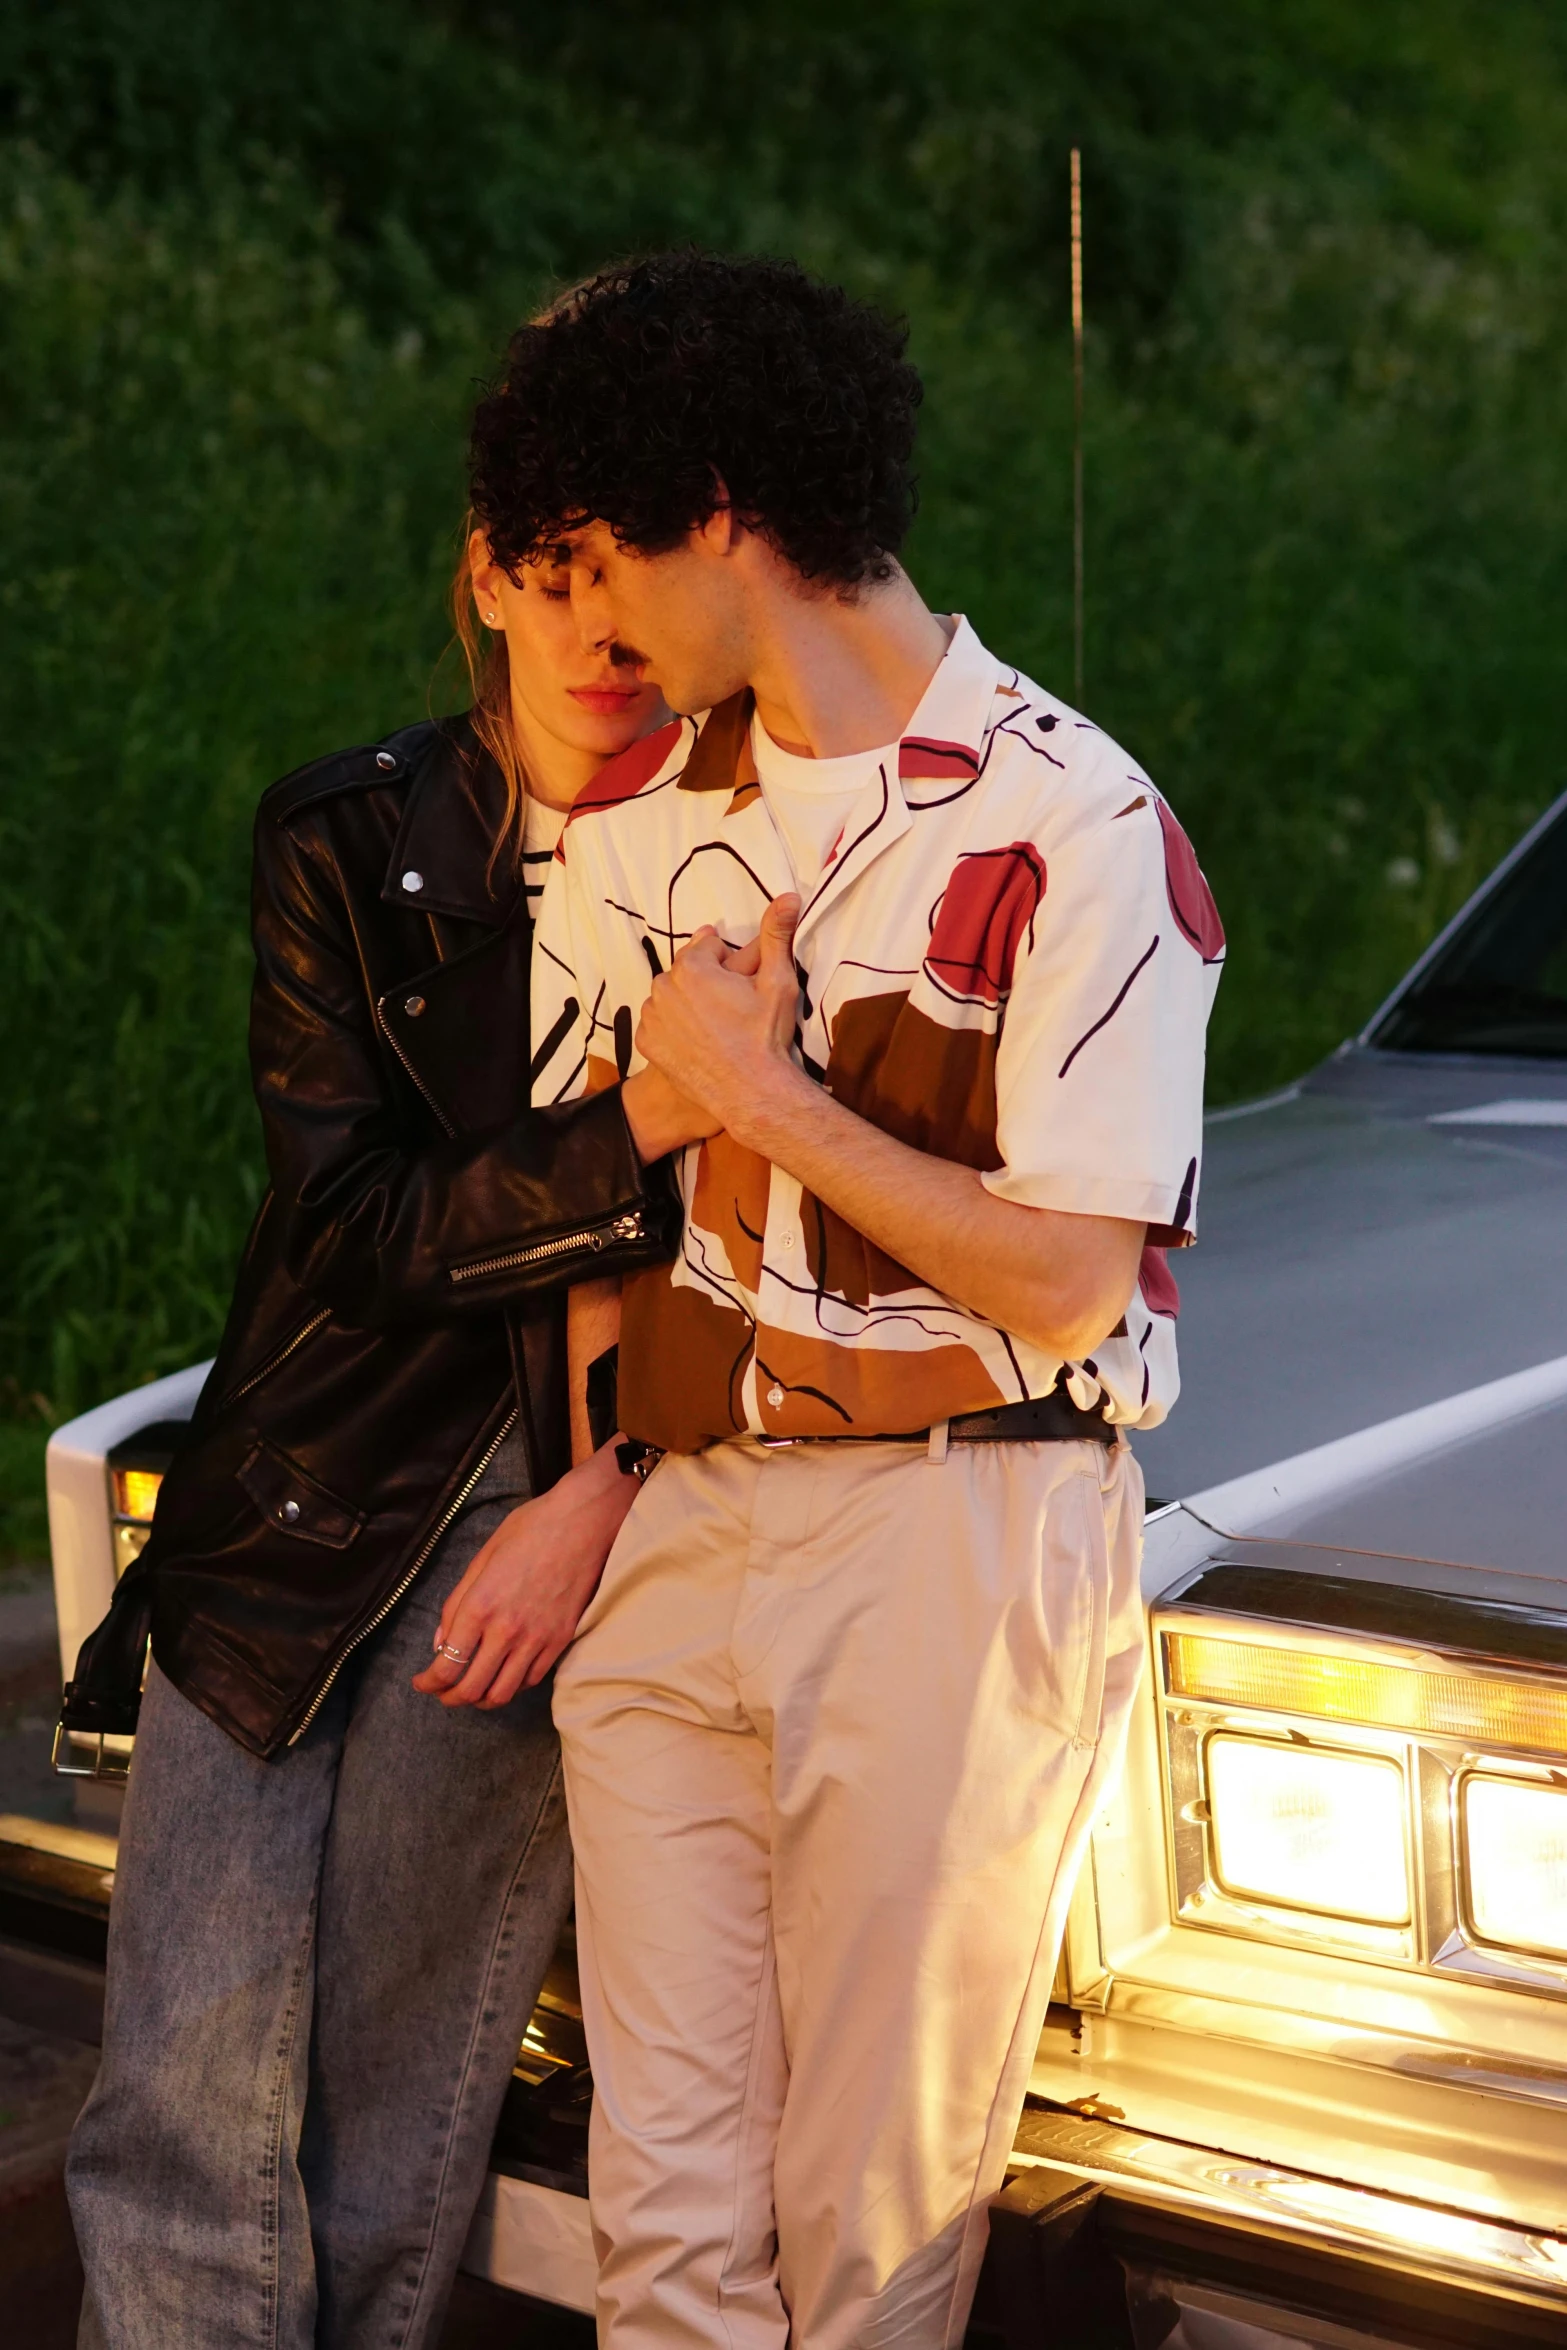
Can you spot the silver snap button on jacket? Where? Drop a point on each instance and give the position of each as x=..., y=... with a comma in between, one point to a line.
x=413, y=882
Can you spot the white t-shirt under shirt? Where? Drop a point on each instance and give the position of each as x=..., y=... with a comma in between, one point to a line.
x=541, y=828
x=809, y=799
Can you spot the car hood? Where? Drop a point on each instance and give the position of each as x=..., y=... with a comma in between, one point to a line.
x=1365, y=1249
x=1495, y=1501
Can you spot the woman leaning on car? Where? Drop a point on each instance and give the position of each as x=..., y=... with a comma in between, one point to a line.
x=337, y=1890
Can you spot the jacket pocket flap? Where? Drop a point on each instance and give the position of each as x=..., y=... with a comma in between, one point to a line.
x=295, y=1503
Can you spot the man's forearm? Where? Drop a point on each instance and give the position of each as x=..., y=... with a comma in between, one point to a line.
x=1060, y=1281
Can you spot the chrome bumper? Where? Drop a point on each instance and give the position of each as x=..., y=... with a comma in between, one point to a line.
x=1105, y=2236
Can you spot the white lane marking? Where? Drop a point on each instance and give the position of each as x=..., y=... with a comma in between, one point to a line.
x=1508, y=1113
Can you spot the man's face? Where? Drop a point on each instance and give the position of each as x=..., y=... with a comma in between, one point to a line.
x=681, y=617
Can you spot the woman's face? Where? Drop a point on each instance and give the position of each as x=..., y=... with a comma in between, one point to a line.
x=578, y=698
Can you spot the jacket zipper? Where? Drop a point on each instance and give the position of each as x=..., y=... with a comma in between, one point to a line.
x=273, y=1360
x=591, y=1236
x=392, y=1598
x=380, y=1013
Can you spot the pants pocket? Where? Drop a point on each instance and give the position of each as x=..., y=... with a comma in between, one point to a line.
x=1073, y=1605
x=1096, y=1570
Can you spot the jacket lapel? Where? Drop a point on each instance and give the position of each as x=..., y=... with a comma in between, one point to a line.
x=460, y=1029
x=443, y=860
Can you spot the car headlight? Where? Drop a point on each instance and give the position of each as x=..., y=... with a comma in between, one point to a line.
x=1309, y=1828
x=1348, y=1688
x=136, y=1494
x=1515, y=1852
x=137, y=1465
x=1368, y=1768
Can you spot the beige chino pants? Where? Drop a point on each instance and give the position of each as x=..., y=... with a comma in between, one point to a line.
x=834, y=1730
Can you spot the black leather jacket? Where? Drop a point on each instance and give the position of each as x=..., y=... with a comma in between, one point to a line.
x=401, y=1297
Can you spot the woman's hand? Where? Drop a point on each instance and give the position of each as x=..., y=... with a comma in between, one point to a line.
x=660, y=1117
x=522, y=1598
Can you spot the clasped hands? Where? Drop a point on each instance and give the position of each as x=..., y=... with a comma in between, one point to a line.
x=717, y=1027
x=720, y=1023
x=716, y=1034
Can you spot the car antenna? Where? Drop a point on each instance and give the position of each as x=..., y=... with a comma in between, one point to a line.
x=1077, y=427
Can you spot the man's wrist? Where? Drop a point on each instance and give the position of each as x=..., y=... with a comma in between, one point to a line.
x=779, y=1096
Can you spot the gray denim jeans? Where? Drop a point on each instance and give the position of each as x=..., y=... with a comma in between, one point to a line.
x=320, y=1968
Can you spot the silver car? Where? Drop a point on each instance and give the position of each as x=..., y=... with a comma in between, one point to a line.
x=1304, y=2081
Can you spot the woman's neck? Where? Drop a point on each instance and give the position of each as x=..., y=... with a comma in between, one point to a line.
x=556, y=772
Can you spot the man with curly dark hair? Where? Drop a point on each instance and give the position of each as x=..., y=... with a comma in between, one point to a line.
x=938, y=959
x=801, y=399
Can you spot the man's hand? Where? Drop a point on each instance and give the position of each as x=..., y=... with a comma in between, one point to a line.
x=522, y=1598
x=720, y=1022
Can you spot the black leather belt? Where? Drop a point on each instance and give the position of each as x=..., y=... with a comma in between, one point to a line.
x=1044, y=1419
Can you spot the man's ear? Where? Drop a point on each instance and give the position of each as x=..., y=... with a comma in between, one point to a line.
x=720, y=532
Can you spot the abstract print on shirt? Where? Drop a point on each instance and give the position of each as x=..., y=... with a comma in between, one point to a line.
x=1008, y=962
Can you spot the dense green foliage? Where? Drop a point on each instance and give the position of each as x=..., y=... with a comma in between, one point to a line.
x=253, y=259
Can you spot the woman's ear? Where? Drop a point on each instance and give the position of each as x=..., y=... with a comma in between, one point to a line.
x=487, y=577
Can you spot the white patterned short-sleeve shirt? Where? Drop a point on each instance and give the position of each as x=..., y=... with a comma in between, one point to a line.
x=1008, y=961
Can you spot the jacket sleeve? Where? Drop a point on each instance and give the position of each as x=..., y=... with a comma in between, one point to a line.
x=377, y=1232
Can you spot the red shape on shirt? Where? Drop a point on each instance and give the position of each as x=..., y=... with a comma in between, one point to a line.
x=990, y=900
x=918, y=759
x=1157, y=1283
x=1191, y=900
x=627, y=772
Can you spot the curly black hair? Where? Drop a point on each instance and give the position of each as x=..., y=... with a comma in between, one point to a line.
x=644, y=387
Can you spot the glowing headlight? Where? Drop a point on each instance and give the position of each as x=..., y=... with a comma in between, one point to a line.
x=136, y=1493
x=1515, y=1848
x=1346, y=1688
x=1309, y=1829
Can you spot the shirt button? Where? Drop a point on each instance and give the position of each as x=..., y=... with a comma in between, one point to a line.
x=788, y=1240
x=413, y=1005
x=413, y=882
x=385, y=761
x=289, y=1512
x=775, y=1397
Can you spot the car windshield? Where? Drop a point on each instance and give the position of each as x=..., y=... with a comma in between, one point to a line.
x=1500, y=983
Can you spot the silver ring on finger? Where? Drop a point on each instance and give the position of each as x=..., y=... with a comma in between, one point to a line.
x=458, y=1656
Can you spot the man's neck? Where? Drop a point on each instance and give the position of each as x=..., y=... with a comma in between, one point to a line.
x=832, y=678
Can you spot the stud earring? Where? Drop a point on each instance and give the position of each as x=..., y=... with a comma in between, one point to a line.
x=490, y=617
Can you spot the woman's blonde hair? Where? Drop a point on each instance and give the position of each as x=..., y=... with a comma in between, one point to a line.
x=485, y=652
x=488, y=663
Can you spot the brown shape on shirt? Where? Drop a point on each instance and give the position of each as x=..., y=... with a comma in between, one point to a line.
x=730, y=1202
x=683, y=1356
x=832, y=1390
x=926, y=1084
x=718, y=749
